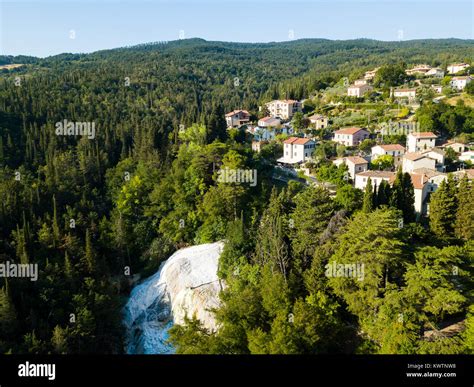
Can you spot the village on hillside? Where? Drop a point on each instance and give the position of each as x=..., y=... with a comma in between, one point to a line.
x=358, y=132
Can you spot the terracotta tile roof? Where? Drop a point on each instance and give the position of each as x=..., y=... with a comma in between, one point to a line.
x=424, y=134
x=468, y=172
x=435, y=150
x=404, y=90
x=357, y=160
x=353, y=130
x=429, y=173
x=317, y=117
x=382, y=174
x=392, y=147
x=236, y=112
x=297, y=140
x=413, y=156
x=418, y=181
x=359, y=86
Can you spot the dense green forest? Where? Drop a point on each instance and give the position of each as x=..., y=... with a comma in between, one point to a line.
x=92, y=213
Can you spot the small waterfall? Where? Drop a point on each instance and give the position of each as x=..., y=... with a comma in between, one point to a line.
x=185, y=284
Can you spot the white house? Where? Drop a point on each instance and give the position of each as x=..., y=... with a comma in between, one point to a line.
x=420, y=141
x=404, y=93
x=467, y=156
x=435, y=72
x=237, y=118
x=412, y=161
x=376, y=177
x=263, y=134
x=419, y=182
x=425, y=182
x=458, y=147
x=319, y=121
x=284, y=109
x=457, y=67
x=358, y=90
x=268, y=122
x=458, y=175
x=459, y=83
x=359, y=82
x=418, y=69
x=371, y=73
x=394, y=150
x=438, y=89
x=437, y=154
x=355, y=164
x=350, y=136
x=297, y=150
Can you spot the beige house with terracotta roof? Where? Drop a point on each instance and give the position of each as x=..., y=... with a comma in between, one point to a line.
x=285, y=109
x=237, y=118
x=404, y=93
x=418, y=69
x=435, y=153
x=412, y=161
x=371, y=73
x=358, y=90
x=319, y=121
x=458, y=147
x=350, y=136
x=420, y=141
x=355, y=164
x=297, y=150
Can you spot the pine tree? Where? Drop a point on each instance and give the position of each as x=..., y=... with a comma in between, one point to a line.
x=68, y=267
x=403, y=196
x=8, y=321
x=272, y=245
x=314, y=208
x=368, y=202
x=59, y=340
x=217, y=126
x=384, y=193
x=56, y=233
x=443, y=210
x=464, y=226
x=90, y=257
x=373, y=242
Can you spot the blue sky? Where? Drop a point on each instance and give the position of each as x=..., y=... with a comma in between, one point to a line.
x=43, y=28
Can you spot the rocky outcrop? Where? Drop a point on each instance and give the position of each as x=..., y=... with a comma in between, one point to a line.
x=185, y=285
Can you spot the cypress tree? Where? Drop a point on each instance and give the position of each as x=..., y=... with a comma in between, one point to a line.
x=464, y=226
x=368, y=202
x=384, y=193
x=442, y=211
x=403, y=196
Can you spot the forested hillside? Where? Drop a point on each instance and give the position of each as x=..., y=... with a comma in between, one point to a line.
x=94, y=212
